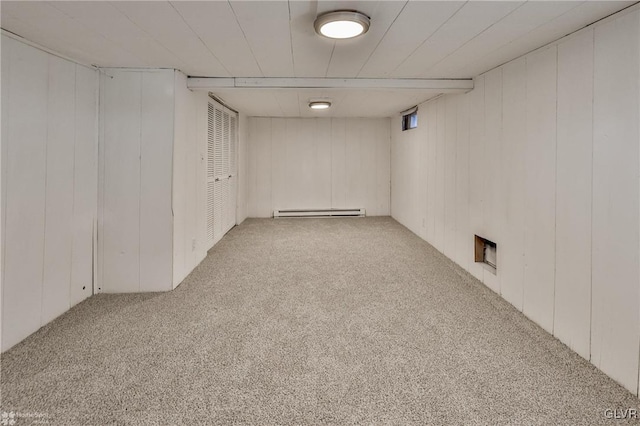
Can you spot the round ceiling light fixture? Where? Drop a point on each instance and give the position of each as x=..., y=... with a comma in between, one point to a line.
x=319, y=104
x=342, y=24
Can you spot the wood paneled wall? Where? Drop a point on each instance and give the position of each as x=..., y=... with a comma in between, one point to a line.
x=543, y=158
x=135, y=250
x=318, y=163
x=49, y=175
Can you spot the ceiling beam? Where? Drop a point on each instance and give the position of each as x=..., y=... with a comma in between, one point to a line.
x=441, y=85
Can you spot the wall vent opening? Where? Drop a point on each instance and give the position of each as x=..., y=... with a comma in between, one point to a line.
x=486, y=252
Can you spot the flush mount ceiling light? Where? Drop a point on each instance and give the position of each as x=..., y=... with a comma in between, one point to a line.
x=319, y=104
x=342, y=24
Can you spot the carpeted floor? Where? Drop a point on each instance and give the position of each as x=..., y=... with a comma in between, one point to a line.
x=307, y=321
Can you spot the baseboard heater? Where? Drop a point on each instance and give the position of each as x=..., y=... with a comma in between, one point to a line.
x=319, y=213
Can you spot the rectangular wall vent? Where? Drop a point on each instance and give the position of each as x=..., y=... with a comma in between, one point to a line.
x=319, y=213
x=486, y=252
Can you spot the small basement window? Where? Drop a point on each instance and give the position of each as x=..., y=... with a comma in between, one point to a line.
x=410, y=119
x=486, y=252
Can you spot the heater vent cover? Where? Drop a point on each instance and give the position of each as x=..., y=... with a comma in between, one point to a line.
x=486, y=252
x=319, y=213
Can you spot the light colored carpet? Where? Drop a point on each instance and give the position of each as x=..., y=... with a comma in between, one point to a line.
x=307, y=321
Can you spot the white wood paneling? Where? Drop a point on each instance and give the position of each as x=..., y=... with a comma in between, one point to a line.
x=243, y=173
x=382, y=138
x=5, y=82
x=451, y=129
x=136, y=182
x=338, y=163
x=573, y=193
x=354, y=182
x=181, y=147
x=540, y=166
x=562, y=199
x=25, y=180
x=514, y=138
x=85, y=182
x=441, y=123
x=59, y=198
x=49, y=190
x=476, y=170
x=260, y=201
x=322, y=142
x=615, y=311
x=422, y=158
x=121, y=209
x=156, y=156
x=281, y=130
x=196, y=132
x=318, y=163
x=432, y=138
x=492, y=209
x=463, y=236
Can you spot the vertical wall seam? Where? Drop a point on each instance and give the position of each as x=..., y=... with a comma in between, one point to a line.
x=593, y=91
x=46, y=151
x=140, y=182
x=390, y=163
x=555, y=210
x=501, y=174
x=271, y=164
x=455, y=175
x=5, y=176
x=638, y=387
x=73, y=185
x=98, y=234
x=173, y=216
x=524, y=183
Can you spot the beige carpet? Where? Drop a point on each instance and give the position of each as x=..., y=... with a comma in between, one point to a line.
x=307, y=321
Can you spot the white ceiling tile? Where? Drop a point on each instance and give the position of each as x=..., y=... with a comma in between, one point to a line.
x=266, y=27
x=106, y=20
x=555, y=29
x=521, y=21
x=215, y=23
x=311, y=53
x=288, y=102
x=470, y=21
x=349, y=56
x=44, y=24
x=251, y=101
x=277, y=39
x=416, y=23
x=162, y=22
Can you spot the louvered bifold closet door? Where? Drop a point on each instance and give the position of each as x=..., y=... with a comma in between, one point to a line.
x=225, y=162
x=221, y=171
x=233, y=149
x=210, y=173
x=220, y=176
